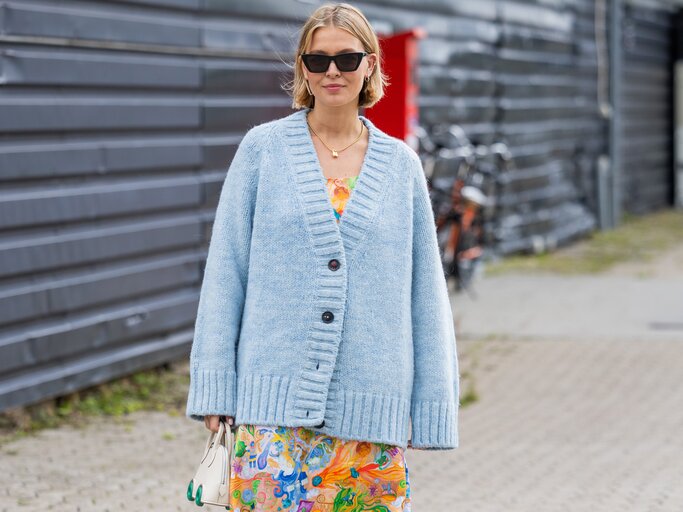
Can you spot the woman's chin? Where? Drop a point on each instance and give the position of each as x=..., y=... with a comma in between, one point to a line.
x=332, y=100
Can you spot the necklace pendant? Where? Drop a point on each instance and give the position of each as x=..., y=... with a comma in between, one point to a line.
x=334, y=154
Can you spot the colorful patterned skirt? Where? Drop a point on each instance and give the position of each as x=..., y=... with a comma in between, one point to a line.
x=298, y=469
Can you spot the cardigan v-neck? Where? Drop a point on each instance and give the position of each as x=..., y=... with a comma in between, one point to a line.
x=311, y=183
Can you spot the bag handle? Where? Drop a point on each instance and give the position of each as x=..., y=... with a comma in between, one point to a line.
x=214, y=437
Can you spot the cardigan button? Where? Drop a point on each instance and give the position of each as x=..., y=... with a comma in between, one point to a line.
x=328, y=317
x=321, y=425
x=333, y=264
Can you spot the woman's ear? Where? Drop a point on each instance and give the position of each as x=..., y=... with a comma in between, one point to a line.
x=372, y=61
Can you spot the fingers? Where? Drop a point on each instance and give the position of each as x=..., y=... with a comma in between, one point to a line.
x=211, y=422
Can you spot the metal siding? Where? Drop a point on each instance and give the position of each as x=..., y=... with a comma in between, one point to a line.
x=647, y=115
x=522, y=72
x=118, y=122
x=119, y=119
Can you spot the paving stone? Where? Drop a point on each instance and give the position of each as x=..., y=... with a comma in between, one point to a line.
x=573, y=425
x=579, y=409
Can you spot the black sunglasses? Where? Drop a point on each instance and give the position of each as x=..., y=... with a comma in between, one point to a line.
x=318, y=63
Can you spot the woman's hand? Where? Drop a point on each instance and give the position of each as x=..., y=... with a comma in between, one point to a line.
x=211, y=422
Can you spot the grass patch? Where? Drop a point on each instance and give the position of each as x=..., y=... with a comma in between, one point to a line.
x=159, y=389
x=469, y=393
x=468, y=361
x=638, y=239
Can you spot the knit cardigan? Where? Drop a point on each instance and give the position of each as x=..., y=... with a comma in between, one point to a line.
x=345, y=328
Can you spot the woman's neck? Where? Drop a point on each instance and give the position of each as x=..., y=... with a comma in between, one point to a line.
x=338, y=123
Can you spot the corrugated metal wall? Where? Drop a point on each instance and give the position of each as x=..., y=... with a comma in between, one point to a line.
x=523, y=73
x=118, y=120
x=647, y=113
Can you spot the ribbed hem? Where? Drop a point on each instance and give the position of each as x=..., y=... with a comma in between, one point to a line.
x=434, y=425
x=351, y=415
x=263, y=399
x=212, y=392
x=369, y=416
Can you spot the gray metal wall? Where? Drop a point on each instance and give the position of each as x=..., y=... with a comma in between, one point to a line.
x=118, y=120
x=523, y=73
x=647, y=112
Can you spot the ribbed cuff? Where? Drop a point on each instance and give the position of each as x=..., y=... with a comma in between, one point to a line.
x=211, y=392
x=434, y=425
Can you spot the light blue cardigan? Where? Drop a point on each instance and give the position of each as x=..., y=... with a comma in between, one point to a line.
x=344, y=328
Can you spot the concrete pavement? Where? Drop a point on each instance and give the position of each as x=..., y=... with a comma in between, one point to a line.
x=630, y=302
x=564, y=426
x=579, y=409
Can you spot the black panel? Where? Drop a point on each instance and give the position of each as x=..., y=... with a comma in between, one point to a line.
x=647, y=114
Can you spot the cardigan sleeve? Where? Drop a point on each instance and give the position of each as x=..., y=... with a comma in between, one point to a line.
x=435, y=396
x=213, y=377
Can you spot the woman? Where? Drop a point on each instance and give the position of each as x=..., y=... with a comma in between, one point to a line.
x=324, y=330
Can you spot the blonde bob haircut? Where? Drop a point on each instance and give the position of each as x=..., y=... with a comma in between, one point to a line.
x=349, y=18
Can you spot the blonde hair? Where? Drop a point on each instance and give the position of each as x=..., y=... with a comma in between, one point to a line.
x=349, y=18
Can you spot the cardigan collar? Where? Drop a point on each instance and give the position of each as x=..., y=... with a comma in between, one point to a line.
x=365, y=198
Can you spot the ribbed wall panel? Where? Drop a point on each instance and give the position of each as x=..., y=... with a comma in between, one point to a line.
x=118, y=120
x=647, y=113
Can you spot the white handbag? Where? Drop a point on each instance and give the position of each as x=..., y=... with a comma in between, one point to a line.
x=211, y=482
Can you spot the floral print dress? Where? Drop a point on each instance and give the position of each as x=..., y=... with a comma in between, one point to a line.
x=299, y=469
x=339, y=190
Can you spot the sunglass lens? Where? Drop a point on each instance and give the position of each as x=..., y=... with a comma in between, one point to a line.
x=347, y=62
x=318, y=63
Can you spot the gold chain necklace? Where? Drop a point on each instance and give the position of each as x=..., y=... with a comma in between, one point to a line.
x=335, y=153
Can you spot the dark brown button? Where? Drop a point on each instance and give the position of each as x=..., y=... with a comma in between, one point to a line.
x=333, y=264
x=328, y=317
x=321, y=425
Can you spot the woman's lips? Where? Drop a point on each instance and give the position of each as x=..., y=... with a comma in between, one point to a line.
x=333, y=87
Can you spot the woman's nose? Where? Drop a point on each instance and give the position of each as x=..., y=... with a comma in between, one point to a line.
x=332, y=68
